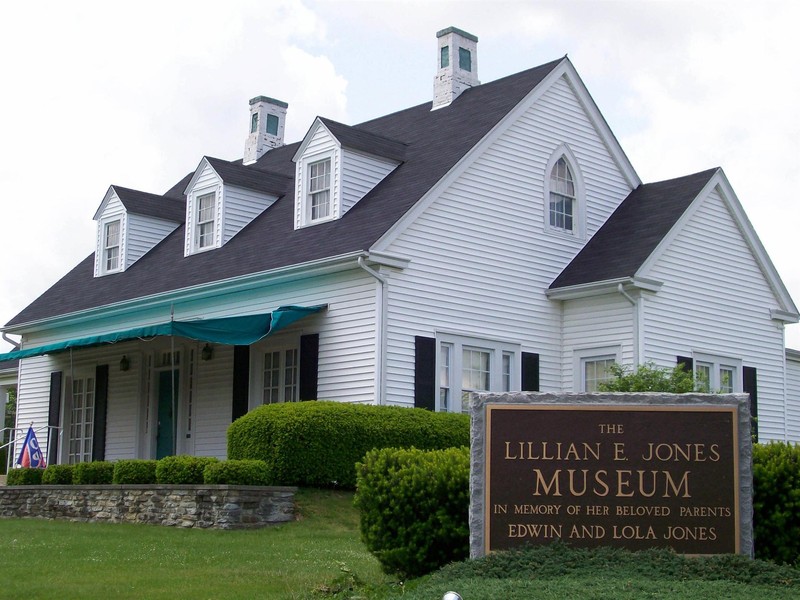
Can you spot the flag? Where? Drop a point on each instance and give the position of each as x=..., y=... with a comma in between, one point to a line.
x=31, y=455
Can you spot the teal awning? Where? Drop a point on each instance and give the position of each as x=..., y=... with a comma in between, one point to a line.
x=235, y=331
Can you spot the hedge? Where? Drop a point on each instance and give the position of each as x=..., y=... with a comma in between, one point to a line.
x=237, y=472
x=134, y=471
x=98, y=472
x=183, y=469
x=318, y=443
x=776, y=501
x=414, y=508
x=58, y=475
x=24, y=476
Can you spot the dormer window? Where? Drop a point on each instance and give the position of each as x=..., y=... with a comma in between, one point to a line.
x=206, y=217
x=562, y=196
x=319, y=189
x=111, y=244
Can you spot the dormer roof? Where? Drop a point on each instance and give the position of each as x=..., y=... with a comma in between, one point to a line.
x=245, y=177
x=363, y=141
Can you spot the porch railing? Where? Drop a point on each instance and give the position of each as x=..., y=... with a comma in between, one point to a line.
x=13, y=437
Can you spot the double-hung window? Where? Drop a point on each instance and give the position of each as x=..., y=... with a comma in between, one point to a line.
x=205, y=220
x=111, y=246
x=467, y=364
x=562, y=197
x=280, y=381
x=718, y=374
x=319, y=189
x=591, y=367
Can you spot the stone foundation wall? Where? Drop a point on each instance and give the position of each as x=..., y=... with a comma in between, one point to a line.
x=216, y=506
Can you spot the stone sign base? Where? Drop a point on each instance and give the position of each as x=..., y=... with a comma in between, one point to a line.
x=205, y=506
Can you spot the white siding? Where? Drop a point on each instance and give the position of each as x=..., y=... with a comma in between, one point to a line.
x=599, y=322
x=239, y=207
x=480, y=256
x=361, y=173
x=206, y=182
x=715, y=300
x=793, y=397
x=143, y=233
x=347, y=331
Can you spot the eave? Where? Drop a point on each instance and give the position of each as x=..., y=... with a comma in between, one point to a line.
x=599, y=288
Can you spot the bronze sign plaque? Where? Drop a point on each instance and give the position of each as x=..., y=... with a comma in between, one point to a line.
x=612, y=475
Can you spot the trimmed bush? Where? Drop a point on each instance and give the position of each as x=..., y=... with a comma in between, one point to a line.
x=237, y=472
x=776, y=502
x=183, y=469
x=134, y=471
x=24, y=477
x=58, y=475
x=317, y=444
x=414, y=508
x=98, y=472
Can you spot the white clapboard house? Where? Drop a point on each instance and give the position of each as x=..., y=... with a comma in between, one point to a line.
x=496, y=238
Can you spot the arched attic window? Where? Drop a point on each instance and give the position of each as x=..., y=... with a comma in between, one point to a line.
x=564, y=194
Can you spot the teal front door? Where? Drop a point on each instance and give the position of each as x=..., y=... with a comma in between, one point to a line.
x=165, y=437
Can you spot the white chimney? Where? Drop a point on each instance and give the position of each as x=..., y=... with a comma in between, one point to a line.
x=456, y=65
x=267, y=120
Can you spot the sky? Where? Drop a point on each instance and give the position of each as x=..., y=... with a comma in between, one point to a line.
x=135, y=94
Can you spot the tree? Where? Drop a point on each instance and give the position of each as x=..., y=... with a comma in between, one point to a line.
x=649, y=378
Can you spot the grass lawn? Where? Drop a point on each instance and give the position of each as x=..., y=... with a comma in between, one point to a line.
x=320, y=556
x=55, y=559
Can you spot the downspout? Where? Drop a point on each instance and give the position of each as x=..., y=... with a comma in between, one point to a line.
x=380, y=332
x=638, y=350
x=10, y=341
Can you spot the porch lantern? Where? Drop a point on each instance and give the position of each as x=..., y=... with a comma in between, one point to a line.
x=124, y=363
x=207, y=353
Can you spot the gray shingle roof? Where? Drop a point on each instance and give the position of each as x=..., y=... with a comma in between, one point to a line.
x=152, y=205
x=371, y=143
x=434, y=142
x=261, y=181
x=632, y=232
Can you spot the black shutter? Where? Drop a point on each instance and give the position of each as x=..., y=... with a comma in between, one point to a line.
x=425, y=372
x=53, y=418
x=241, y=381
x=309, y=366
x=100, y=412
x=530, y=372
x=687, y=362
x=750, y=386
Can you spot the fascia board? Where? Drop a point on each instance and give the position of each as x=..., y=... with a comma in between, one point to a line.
x=609, y=286
x=720, y=182
x=601, y=125
x=216, y=288
x=782, y=315
x=111, y=192
x=564, y=68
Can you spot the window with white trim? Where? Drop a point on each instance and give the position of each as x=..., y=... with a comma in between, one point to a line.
x=467, y=364
x=275, y=369
x=562, y=197
x=591, y=367
x=718, y=374
x=319, y=190
x=205, y=221
x=111, y=246
x=81, y=420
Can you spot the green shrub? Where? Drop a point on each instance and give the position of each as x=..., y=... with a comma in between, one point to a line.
x=24, y=476
x=183, y=469
x=134, y=471
x=58, y=475
x=93, y=473
x=650, y=378
x=317, y=444
x=776, y=502
x=237, y=472
x=414, y=508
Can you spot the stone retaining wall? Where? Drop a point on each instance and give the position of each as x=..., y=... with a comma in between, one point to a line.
x=216, y=506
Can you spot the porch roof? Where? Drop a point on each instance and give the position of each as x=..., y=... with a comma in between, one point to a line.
x=239, y=331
